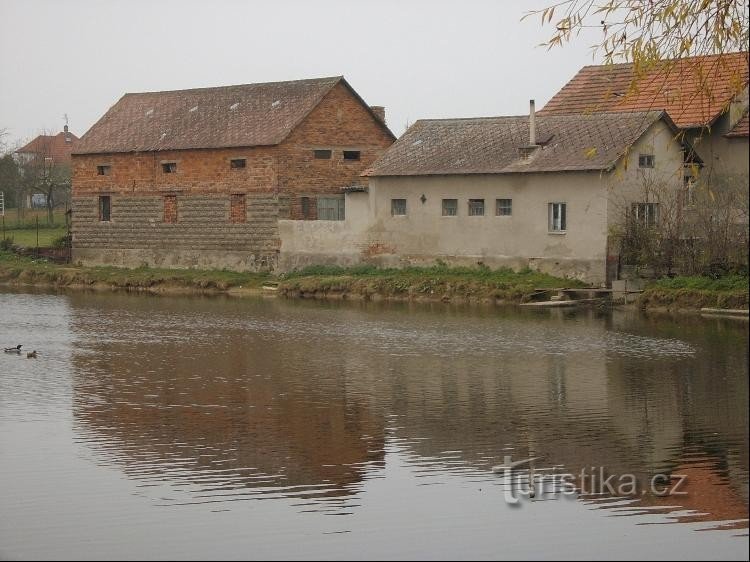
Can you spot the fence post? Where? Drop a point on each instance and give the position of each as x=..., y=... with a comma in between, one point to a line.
x=37, y=236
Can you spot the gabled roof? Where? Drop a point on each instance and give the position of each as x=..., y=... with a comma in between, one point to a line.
x=694, y=90
x=228, y=116
x=51, y=146
x=493, y=145
x=741, y=128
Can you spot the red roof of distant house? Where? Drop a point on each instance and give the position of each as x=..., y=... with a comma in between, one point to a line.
x=58, y=147
x=741, y=128
x=694, y=91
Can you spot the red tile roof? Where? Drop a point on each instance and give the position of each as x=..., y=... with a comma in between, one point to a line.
x=51, y=146
x=493, y=145
x=694, y=91
x=740, y=128
x=229, y=116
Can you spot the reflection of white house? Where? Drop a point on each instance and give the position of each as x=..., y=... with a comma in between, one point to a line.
x=533, y=191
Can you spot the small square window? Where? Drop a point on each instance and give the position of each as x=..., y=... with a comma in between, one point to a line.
x=322, y=154
x=450, y=207
x=476, y=207
x=331, y=208
x=237, y=163
x=351, y=155
x=105, y=208
x=504, y=207
x=646, y=160
x=646, y=214
x=169, y=167
x=103, y=169
x=398, y=207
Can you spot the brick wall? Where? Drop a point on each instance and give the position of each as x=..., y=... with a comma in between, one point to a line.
x=208, y=192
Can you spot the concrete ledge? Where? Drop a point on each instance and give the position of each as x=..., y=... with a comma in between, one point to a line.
x=176, y=259
x=726, y=311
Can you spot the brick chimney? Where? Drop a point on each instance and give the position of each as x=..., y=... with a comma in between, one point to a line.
x=532, y=123
x=379, y=111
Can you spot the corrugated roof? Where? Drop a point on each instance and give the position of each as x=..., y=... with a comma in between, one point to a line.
x=694, y=91
x=52, y=146
x=741, y=128
x=228, y=116
x=493, y=145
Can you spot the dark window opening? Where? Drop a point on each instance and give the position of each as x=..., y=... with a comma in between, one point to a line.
x=105, y=208
x=476, y=207
x=398, y=207
x=351, y=155
x=450, y=207
x=169, y=167
x=237, y=163
x=322, y=154
x=103, y=170
x=305, y=203
x=331, y=208
x=504, y=207
x=646, y=160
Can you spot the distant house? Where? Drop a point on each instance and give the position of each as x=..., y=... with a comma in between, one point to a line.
x=49, y=153
x=525, y=191
x=200, y=178
x=707, y=97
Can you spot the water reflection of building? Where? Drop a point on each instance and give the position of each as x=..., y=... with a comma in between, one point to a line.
x=210, y=409
x=275, y=394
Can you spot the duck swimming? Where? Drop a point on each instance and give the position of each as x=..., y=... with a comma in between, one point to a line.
x=31, y=355
x=16, y=349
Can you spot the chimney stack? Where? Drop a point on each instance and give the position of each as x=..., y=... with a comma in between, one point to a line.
x=532, y=124
x=379, y=111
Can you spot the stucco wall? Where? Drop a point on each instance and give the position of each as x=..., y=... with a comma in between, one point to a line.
x=371, y=234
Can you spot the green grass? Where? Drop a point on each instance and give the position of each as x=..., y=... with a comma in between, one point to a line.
x=30, y=216
x=438, y=281
x=730, y=291
x=27, y=237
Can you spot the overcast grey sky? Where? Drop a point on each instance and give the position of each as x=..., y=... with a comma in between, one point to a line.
x=420, y=59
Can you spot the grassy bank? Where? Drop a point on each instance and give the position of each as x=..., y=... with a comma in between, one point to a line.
x=23, y=231
x=429, y=283
x=696, y=292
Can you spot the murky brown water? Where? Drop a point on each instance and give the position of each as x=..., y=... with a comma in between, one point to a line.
x=160, y=427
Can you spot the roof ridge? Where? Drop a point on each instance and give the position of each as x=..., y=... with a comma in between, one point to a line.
x=206, y=88
x=541, y=115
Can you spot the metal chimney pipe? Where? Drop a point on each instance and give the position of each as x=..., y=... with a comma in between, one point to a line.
x=532, y=124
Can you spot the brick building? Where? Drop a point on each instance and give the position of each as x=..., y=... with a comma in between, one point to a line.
x=199, y=178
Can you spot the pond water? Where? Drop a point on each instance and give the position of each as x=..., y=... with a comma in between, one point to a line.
x=212, y=427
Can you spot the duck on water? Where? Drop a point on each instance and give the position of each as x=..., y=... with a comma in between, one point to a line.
x=16, y=349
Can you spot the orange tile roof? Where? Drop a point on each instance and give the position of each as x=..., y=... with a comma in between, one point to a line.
x=694, y=90
x=741, y=128
x=51, y=146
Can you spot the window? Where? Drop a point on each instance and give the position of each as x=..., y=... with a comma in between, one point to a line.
x=322, y=154
x=103, y=169
x=504, y=207
x=645, y=160
x=105, y=208
x=351, y=155
x=305, y=204
x=237, y=163
x=237, y=208
x=169, y=167
x=170, y=208
x=647, y=214
x=398, y=207
x=450, y=207
x=330, y=208
x=557, y=217
x=689, y=184
x=476, y=207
